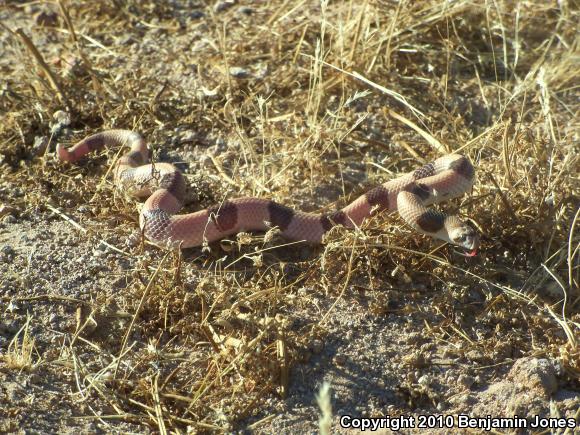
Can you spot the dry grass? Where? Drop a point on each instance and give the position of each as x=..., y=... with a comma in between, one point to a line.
x=330, y=89
x=22, y=353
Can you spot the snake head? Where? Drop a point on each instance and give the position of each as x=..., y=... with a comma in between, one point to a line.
x=465, y=237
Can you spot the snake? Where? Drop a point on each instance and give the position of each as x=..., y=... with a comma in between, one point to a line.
x=164, y=188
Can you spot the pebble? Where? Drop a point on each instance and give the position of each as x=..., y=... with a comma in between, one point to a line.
x=133, y=240
x=196, y=15
x=61, y=119
x=245, y=10
x=466, y=380
x=39, y=146
x=223, y=5
x=239, y=72
x=7, y=250
x=536, y=373
x=424, y=380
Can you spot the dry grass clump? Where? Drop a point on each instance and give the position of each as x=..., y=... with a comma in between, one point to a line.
x=302, y=99
x=21, y=353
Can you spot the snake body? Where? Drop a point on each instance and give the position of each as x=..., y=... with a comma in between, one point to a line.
x=164, y=186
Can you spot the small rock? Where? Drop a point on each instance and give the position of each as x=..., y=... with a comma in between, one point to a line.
x=39, y=146
x=61, y=119
x=466, y=380
x=416, y=360
x=221, y=6
x=535, y=373
x=239, y=72
x=474, y=355
x=7, y=250
x=245, y=10
x=46, y=19
x=188, y=136
x=196, y=15
x=204, y=93
x=424, y=380
x=133, y=240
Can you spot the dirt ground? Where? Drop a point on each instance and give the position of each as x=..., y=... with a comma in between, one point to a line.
x=309, y=103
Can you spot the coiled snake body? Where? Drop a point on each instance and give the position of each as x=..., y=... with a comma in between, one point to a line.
x=447, y=177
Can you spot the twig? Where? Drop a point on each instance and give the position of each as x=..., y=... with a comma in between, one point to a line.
x=145, y=293
x=157, y=403
x=221, y=171
x=84, y=230
x=428, y=137
x=503, y=198
x=43, y=65
x=363, y=79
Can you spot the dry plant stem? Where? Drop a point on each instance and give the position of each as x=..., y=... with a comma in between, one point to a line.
x=363, y=79
x=157, y=402
x=442, y=149
x=507, y=290
x=20, y=355
x=504, y=200
x=572, y=252
x=103, y=179
x=152, y=280
x=52, y=298
x=95, y=82
x=221, y=171
x=84, y=230
x=358, y=30
x=322, y=321
x=44, y=66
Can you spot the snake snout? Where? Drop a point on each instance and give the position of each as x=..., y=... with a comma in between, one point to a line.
x=466, y=237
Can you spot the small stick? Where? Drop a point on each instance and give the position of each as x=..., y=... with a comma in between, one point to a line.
x=503, y=198
x=52, y=298
x=84, y=230
x=145, y=293
x=96, y=84
x=427, y=136
x=43, y=65
x=157, y=403
x=221, y=171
